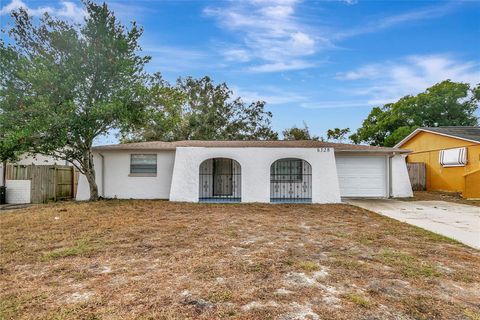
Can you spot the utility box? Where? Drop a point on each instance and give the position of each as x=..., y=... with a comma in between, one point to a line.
x=3, y=195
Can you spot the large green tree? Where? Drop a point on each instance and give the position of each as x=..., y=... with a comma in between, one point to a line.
x=337, y=134
x=14, y=134
x=296, y=133
x=73, y=83
x=444, y=104
x=199, y=109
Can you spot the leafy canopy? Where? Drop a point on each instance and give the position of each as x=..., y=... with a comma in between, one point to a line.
x=14, y=135
x=337, y=134
x=198, y=109
x=68, y=84
x=295, y=133
x=444, y=104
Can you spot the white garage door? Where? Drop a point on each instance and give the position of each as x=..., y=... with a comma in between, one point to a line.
x=362, y=176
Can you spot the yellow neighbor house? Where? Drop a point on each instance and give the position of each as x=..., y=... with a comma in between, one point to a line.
x=451, y=156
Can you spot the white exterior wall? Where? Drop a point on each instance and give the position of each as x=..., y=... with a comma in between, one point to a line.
x=255, y=164
x=117, y=182
x=18, y=191
x=400, y=182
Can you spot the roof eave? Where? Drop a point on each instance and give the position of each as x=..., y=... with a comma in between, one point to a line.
x=374, y=151
x=414, y=133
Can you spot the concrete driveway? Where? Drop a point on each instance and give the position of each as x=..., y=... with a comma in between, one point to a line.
x=457, y=221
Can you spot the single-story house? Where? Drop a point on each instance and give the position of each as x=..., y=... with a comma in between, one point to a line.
x=248, y=171
x=451, y=156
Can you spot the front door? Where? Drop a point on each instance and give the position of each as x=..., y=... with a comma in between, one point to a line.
x=222, y=177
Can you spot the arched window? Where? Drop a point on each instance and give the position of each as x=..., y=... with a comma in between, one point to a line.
x=291, y=181
x=220, y=180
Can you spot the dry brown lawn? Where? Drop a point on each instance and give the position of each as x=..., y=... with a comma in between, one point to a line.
x=163, y=260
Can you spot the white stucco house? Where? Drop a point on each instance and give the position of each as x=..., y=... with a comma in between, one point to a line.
x=248, y=171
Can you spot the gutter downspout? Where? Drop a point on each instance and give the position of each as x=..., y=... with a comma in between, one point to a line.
x=103, y=175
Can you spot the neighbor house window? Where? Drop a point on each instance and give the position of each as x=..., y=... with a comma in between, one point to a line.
x=456, y=157
x=288, y=170
x=143, y=164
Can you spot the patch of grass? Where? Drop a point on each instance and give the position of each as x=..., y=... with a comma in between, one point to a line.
x=423, y=307
x=206, y=272
x=220, y=296
x=232, y=232
x=258, y=267
x=341, y=234
x=463, y=276
x=9, y=307
x=471, y=314
x=288, y=262
x=367, y=239
x=347, y=263
x=308, y=266
x=435, y=237
x=409, y=265
x=82, y=247
x=358, y=299
x=138, y=257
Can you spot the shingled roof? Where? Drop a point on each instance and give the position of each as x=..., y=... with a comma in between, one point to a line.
x=162, y=145
x=465, y=133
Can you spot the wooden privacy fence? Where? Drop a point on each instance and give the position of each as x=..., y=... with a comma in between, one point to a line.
x=417, y=175
x=48, y=182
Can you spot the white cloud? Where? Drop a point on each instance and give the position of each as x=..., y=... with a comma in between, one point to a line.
x=391, y=80
x=281, y=66
x=67, y=9
x=175, y=59
x=335, y=104
x=271, y=35
x=272, y=95
x=402, y=18
x=369, y=71
x=238, y=55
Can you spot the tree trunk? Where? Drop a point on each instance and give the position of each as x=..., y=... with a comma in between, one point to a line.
x=90, y=175
x=92, y=184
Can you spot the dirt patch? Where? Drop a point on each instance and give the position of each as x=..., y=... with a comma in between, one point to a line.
x=441, y=196
x=163, y=260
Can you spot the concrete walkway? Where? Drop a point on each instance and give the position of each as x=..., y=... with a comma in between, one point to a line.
x=457, y=221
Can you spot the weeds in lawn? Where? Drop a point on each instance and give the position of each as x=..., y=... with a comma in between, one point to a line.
x=308, y=266
x=358, y=299
x=408, y=265
x=220, y=296
x=471, y=315
x=81, y=247
x=133, y=260
x=367, y=239
x=9, y=306
x=347, y=263
x=435, y=237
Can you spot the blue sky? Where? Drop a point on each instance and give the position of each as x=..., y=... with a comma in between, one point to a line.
x=323, y=62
